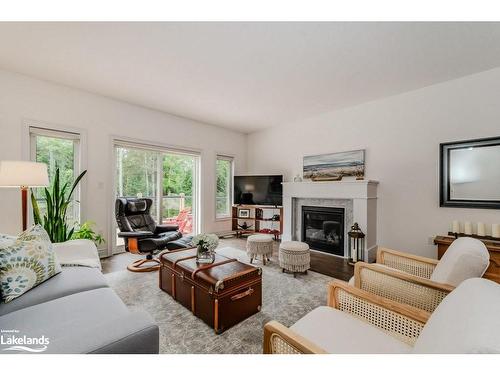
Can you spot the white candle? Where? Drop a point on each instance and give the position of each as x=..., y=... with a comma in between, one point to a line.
x=495, y=230
x=455, y=226
x=481, y=229
x=468, y=228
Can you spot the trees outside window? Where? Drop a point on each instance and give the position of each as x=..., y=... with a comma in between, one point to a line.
x=223, y=196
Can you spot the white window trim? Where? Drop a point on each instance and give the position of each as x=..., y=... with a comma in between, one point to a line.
x=227, y=216
x=32, y=128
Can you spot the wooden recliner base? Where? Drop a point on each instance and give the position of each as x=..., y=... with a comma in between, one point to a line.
x=137, y=265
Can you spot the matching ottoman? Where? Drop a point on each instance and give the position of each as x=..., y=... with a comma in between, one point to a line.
x=260, y=244
x=294, y=257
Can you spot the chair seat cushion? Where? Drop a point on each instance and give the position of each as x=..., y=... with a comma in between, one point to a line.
x=71, y=280
x=341, y=333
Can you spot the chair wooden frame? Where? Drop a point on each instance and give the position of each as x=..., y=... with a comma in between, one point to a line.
x=400, y=286
x=399, y=320
x=406, y=262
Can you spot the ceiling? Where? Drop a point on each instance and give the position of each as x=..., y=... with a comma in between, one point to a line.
x=248, y=76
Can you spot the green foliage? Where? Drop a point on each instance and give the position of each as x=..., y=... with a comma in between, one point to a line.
x=137, y=174
x=178, y=174
x=56, y=153
x=58, y=198
x=86, y=232
x=223, y=185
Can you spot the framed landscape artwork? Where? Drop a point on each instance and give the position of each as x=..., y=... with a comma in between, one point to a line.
x=335, y=166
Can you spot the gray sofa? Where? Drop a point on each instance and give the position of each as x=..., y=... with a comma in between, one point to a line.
x=78, y=313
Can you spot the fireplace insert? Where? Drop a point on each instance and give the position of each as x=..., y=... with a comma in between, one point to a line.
x=323, y=229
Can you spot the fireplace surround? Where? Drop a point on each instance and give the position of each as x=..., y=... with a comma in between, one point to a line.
x=358, y=199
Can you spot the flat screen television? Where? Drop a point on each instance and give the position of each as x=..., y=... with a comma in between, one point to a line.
x=259, y=190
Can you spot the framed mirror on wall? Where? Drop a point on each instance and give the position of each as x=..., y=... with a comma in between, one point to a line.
x=470, y=173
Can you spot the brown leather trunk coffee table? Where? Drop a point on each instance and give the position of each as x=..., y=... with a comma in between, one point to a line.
x=222, y=294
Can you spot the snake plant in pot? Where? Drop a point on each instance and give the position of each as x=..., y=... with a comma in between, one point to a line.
x=58, y=199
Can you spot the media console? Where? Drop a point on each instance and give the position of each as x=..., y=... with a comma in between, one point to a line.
x=258, y=218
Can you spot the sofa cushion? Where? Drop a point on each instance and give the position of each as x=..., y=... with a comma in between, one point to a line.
x=466, y=321
x=26, y=262
x=87, y=322
x=71, y=280
x=465, y=258
x=338, y=332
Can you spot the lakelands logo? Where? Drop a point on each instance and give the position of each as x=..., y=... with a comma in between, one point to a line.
x=12, y=340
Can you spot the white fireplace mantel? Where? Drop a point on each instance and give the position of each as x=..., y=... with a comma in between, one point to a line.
x=363, y=195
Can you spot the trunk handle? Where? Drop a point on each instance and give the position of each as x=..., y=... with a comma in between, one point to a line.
x=242, y=294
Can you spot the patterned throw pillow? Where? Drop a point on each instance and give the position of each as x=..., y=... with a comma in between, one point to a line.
x=25, y=262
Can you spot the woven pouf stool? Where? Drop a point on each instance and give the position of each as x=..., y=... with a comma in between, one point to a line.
x=260, y=244
x=294, y=257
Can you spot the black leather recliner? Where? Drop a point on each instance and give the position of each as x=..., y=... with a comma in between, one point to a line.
x=143, y=235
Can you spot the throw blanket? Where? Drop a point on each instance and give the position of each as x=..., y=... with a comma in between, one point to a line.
x=77, y=253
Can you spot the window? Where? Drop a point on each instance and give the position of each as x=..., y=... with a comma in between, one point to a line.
x=168, y=177
x=57, y=149
x=223, y=196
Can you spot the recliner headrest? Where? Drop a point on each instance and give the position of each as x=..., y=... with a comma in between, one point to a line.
x=137, y=206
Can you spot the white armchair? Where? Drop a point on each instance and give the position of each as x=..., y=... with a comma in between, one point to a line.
x=418, y=281
x=358, y=322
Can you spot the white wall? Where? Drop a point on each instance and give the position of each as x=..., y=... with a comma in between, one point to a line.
x=401, y=135
x=22, y=98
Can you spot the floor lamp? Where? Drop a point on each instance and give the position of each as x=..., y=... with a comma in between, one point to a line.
x=23, y=174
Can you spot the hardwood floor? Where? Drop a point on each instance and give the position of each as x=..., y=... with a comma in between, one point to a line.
x=326, y=264
x=330, y=265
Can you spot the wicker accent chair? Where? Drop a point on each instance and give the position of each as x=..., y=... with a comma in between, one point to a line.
x=401, y=287
x=358, y=322
x=384, y=326
x=418, y=281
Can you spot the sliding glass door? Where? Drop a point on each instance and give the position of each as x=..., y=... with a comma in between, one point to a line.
x=169, y=178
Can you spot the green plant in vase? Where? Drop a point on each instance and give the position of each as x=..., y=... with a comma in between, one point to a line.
x=58, y=199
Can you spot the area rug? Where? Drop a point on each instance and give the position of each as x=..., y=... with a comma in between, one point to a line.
x=285, y=299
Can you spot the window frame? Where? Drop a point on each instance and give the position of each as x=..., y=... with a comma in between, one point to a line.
x=228, y=215
x=36, y=131
x=120, y=141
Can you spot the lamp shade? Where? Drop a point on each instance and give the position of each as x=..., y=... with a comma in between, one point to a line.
x=23, y=173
